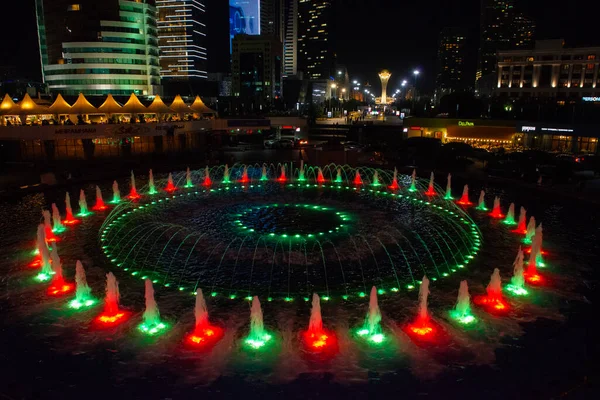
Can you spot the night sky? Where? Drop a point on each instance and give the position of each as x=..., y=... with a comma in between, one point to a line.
x=369, y=34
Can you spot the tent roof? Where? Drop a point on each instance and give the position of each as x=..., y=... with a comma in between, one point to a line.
x=201, y=108
x=159, y=107
x=28, y=106
x=134, y=106
x=82, y=106
x=179, y=106
x=110, y=106
x=7, y=105
x=60, y=106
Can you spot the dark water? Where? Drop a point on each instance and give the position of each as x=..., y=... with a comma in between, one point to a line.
x=544, y=348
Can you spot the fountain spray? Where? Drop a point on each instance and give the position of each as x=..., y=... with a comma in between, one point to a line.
x=263, y=174
x=58, y=286
x=204, y=333
x=481, y=203
x=188, y=178
x=493, y=301
x=57, y=225
x=448, y=195
x=497, y=211
x=422, y=325
x=83, y=293
x=462, y=310
x=338, y=177
x=99, y=206
x=431, y=189
x=517, y=282
x=112, y=315
x=301, y=177
x=357, y=178
x=83, y=207
x=531, y=274
x=394, y=185
x=44, y=255
x=50, y=237
x=464, y=200
x=530, y=230
x=70, y=219
x=539, y=260
x=207, y=181
x=371, y=329
x=170, y=185
x=320, y=177
x=258, y=336
x=151, y=185
x=133, y=193
x=510, y=215
x=376, y=179
x=522, y=224
x=245, y=178
x=282, y=177
x=116, y=193
x=152, y=324
x=317, y=338
x=413, y=181
x=226, y=174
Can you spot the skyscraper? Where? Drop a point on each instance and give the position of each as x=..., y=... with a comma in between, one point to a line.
x=272, y=18
x=97, y=48
x=315, y=50
x=501, y=28
x=182, y=39
x=290, y=39
x=450, y=61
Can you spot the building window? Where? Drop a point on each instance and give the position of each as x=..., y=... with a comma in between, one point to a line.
x=74, y=7
x=591, y=57
x=530, y=59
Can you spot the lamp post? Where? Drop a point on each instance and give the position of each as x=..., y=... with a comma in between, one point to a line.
x=416, y=73
x=331, y=94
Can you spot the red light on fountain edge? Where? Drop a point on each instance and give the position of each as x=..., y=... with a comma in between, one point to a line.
x=205, y=336
x=111, y=319
x=430, y=192
x=60, y=288
x=534, y=279
x=319, y=340
x=494, y=304
x=422, y=328
x=71, y=221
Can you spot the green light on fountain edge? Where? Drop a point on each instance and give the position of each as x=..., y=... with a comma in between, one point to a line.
x=448, y=196
x=154, y=329
x=59, y=229
x=257, y=342
x=85, y=214
x=481, y=208
x=464, y=319
x=152, y=191
x=77, y=305
x=509, y=221
x=41, y=277
x=516, y=290
x=412, y=188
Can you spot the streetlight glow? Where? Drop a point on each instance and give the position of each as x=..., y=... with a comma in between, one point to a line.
x=416, y=72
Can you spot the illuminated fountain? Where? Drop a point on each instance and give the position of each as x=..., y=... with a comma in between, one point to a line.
x=530, y=230
x=116, y=193
x=206, y=181
x=497, y=211
x=517, y=282
x=263, y=174
x=58, y=285
x=83, y=293
x=539, y=260
x=99, y=206
x=44, y=256
x=188, y=178
x=83, y=207
x=69, y=219
x=316, y=337
x=258, y=336
x=112, y=314
x=531, y=274
x=170, y=188
x=301, y=174
x=226, y=175
x=462, y=310
x=371, y=329
x=245, y=178
x=448, y=195
x=282, y=177
x=320, y=177
x=57, y=225
x=510, y=215
x=151, y=185
x=357, y=178
x=204, y=333
x=481, y=203
x=422, y=326
x=50, y=237
x=338, y=176
x=394, y=185
x=151, y=324
x=493, y=301
x=413, y=181
x=376, y=179
x=522, y=224
x=133, y=194
x=464, y=200
x=431, y=189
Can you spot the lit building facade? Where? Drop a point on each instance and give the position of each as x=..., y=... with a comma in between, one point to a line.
x=182, y=39
x=315, y=50
x=257, y=63
x=96, y=48
x=501, y=28
x=290, y=39
x=451, y=61
x=549, y=70
x=384, y=76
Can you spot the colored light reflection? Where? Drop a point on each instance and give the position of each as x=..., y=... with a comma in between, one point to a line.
x=100, y=207
x=60, y=288
x=535, y=279
x=394, y=185
x=258, y=342
x=491, y=304
x=205, y=336
x=41, y=277
x=134, y=196
x=320, y=341
x=517, y=291
x=108, y=320
x=376, y=338
x=71, y=221
x=77, y=305
x=496, y=214
x=430, y=192
x=170, y=187
x=207, y=181
x=85, y=214
x=153, y=329
x=463, y=202
x=465, y=319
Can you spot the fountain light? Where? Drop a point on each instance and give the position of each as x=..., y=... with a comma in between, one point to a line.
x=76, y=304
x=60, y=288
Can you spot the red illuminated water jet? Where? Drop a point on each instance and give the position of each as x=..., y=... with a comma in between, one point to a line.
x=320, y=177
x=493, y=302
x=394, y=185
x=464, y=200
x=357, y=179
x=244, y=178
x=282, y=177
x=112, y=315
x=430, y=191
x=422, y=328
x=50, y=236
x=204, y=334
x=133, y=194
x=170, y=185
x=59, y=287
x=99, y=206
x=496, y=211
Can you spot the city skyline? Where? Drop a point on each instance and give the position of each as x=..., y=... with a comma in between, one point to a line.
x=406, y=44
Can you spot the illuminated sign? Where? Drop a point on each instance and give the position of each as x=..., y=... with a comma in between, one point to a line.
x=558, y=129
x=528, y=128
x=594, y=99
x=415, y=128
x=466, y=123
x=244, y=18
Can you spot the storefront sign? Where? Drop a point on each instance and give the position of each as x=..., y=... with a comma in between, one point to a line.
x=592, y=99
x=466, y=123
x=415, y=128
x=558, y=129
x=73, y=131
x=525, y=128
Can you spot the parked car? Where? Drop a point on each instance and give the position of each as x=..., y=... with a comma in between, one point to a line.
x=350, y=145
x=279, y=144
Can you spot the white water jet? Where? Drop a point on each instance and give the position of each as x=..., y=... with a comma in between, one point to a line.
x=423, y=314
x=83, y=291
x=151, y=314
x=200, y=309
x=316, y=322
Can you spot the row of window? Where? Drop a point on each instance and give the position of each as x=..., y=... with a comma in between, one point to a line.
x=131, y=61
x=153, y=81
x=86, y=71
x=551, y=57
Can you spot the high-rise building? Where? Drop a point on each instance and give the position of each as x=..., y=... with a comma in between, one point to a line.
x=182, y=39
x=315, y=50
x=257, y=63
x=290, y=39
x=451, y=61
x=501, y=28
x=96, y=48
x=244, y=18
x=272, y=18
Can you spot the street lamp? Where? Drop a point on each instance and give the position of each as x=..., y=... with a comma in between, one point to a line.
x=416, y=74
x=333, y=86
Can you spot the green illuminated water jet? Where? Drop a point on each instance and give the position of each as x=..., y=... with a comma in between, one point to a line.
x=188, y=178
x=83, y=207
x=517, y=282
x=57, y=225
x=116, y=193
x=338, y=177
x=226, y=174
x=83, y=293
x=448, y=195
x=481, y=204
x=151, y=186
x=301, y=177
x=510, y=215
x=462, y=310
x=258, y=336
x=376, y=179
x=413, y=179
x=46, y=271
x=263, y=175
x=152, y=324
x=371, y=329
x=530, y=230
